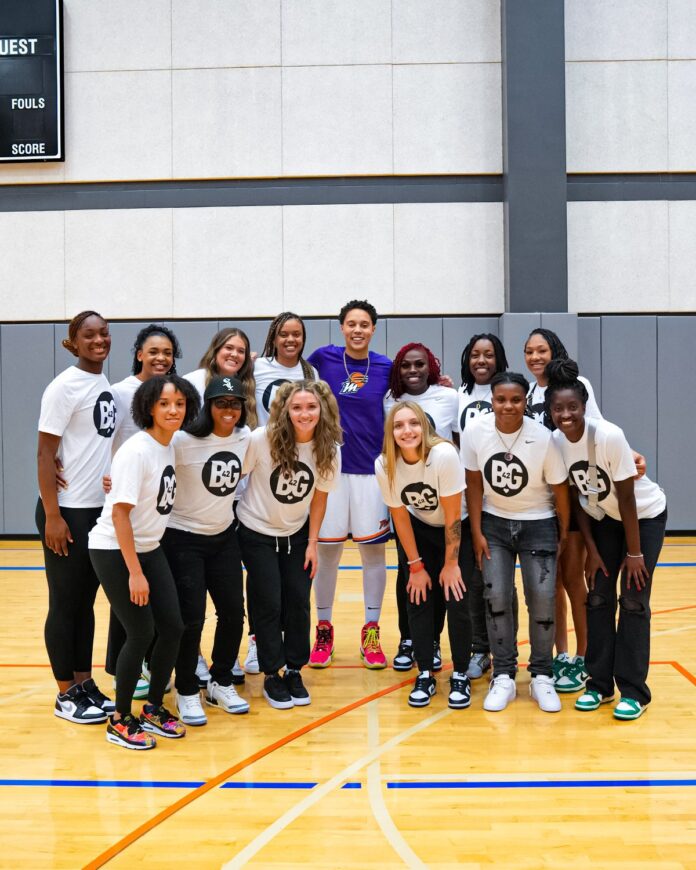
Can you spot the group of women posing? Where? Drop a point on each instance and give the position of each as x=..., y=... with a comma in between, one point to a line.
x=157, y=435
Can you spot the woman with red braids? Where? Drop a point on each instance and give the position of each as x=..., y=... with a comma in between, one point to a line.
x=415, y=377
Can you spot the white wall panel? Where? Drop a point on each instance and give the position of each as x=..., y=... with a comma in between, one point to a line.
x=452, y=31
x=616, y=116
x=220, y=33
x=682, y=256
x=682, y=115
x=616, y=29
x=682, y=29
x=336, y=32
x=228, y=262
x=334, y=253
x=127, y=35
x=448, y=258
x=618, y=256
x=447, y=118
x=31, y=265
x=118, y=125
x=337, y=120
x=119, y=262
x=226, y=122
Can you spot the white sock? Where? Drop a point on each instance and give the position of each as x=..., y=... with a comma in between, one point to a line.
x=325, y=579
x=374, y=579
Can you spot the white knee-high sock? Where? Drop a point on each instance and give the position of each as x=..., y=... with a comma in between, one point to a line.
x=374, y=579
x=329, y=557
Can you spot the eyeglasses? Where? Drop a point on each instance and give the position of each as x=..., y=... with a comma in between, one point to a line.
x=228, y=404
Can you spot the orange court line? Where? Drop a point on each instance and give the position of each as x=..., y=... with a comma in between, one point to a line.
x=215, y=781
x=682, y=670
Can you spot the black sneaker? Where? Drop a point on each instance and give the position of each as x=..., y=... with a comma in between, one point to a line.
x=423, y=690
x=75, y=705
x=403, y=660
x=276, y=692
x=298, y=692
x=460, y=691
x=437, y=656
x=97, y=697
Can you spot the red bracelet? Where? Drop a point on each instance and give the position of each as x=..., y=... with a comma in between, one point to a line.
x=415, y=566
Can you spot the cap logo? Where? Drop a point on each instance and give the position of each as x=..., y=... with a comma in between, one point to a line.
x=228, y=383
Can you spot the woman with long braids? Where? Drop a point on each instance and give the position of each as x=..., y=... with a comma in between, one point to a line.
x=622, y=521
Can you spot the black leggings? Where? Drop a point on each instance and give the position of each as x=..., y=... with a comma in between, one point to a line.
x=72, y=588
x=422, y=617
x=201, y=564
x=161, y=613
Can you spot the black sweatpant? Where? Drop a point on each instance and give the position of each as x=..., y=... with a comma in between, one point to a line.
x=278, y=589
x=162, y=612
x=72, y=588
x=402, y=577
x=202, y=564
x=422, y=617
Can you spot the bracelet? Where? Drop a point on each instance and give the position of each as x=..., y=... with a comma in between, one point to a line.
x=413, y=561
x=415, y=567
x=637, y=556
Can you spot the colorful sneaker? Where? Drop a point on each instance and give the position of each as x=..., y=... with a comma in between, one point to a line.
x=225, y=697
x=202, y=672
x=370, y=649
x=190, y=709
x=322, y=651
x=75, y=705
x=277, y=693
x=160, y=721
x=541, y=690
x=502, y=690
x=561, y=663
x=437, y=657
x=298, y=691
x=591, y=700
x=627, y=708
x=479, y=664
x=423, y=690
x=127, y=732
x=574, y=676
x=403, y=660
x=251, y=662
x=237, y=673
x=460, y=691
x=97, y=697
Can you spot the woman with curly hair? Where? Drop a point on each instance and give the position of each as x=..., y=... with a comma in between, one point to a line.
x=293, y=463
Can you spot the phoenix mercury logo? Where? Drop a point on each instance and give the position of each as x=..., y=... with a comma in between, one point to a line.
x=354, y=382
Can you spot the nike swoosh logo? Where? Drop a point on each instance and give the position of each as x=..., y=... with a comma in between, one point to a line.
x=529, y=442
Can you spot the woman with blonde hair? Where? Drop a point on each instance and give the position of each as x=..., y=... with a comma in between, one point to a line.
x=422, y=481
x=293, y=463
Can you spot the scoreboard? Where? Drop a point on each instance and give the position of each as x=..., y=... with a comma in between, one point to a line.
x=31, y=81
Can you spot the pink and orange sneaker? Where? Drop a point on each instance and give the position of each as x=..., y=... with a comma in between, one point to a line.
x=128, y=733
x=160, y=721
x=323, y=648
x=370, y=648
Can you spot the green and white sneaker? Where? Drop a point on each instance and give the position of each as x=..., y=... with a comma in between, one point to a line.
x=560, y=664
x=574, y=676
x=627, y=708
x=592, y=700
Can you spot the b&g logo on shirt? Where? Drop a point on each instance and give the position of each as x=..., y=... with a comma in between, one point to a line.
x=291, y=490
x=221, y=473
x=104, y=415
x=579, y=472
x=472, y=411
x=419, y=496
x=167, y=491
x=505, y=477
x=269, y=392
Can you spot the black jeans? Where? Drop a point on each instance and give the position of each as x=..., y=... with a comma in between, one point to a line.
x=72, y=588
x=621, y=653
x=422, y=617
x=201, y=564
x=278, y=589
x=162, y=613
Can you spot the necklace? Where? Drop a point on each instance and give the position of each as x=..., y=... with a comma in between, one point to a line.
x=362, y=375
x=508, y=455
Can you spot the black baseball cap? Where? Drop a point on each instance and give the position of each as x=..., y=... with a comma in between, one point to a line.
x=230, y=387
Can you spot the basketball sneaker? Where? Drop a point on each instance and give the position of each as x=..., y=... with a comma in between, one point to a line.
x=370, y=648
x=160, y=721
x=75, y=705
x=251, y=662
x=127, y=732
x=322, y=651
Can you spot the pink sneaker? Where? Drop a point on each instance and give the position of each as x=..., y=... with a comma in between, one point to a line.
x=370, y=649
x=322, y=651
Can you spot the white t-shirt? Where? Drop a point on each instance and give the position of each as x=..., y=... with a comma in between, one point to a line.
x=207, y=473
x=535, y=401
x=123, y=396
x=142, y=474
x=272, y=504
x=474, y=404
x=269, y=374
x=439, y=403
x=198, y=379
x=516, y=489
x=79, y=408
x=614, y=460
x=420, y=486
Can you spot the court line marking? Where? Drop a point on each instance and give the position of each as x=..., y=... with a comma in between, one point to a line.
x=262, y=839
x=558, y=783
x=217, y=780
x=537, y=777
x=138, y=783
x=672, y=630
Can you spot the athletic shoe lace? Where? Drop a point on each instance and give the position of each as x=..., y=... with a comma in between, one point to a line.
x=323, y=641
x=371, y=642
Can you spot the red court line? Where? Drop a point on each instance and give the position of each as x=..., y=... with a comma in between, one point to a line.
x=215, y=781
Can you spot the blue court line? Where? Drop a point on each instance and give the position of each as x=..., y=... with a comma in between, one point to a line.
x=556, y=783
x=137, y=783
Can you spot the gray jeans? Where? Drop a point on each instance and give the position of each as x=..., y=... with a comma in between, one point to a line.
x=535, y=542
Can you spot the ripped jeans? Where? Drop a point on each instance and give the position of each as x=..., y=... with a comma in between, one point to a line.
x=535, y=542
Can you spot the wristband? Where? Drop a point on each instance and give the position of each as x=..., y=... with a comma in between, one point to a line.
x=636, y=556
x=413, y=561
x=415, y=566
